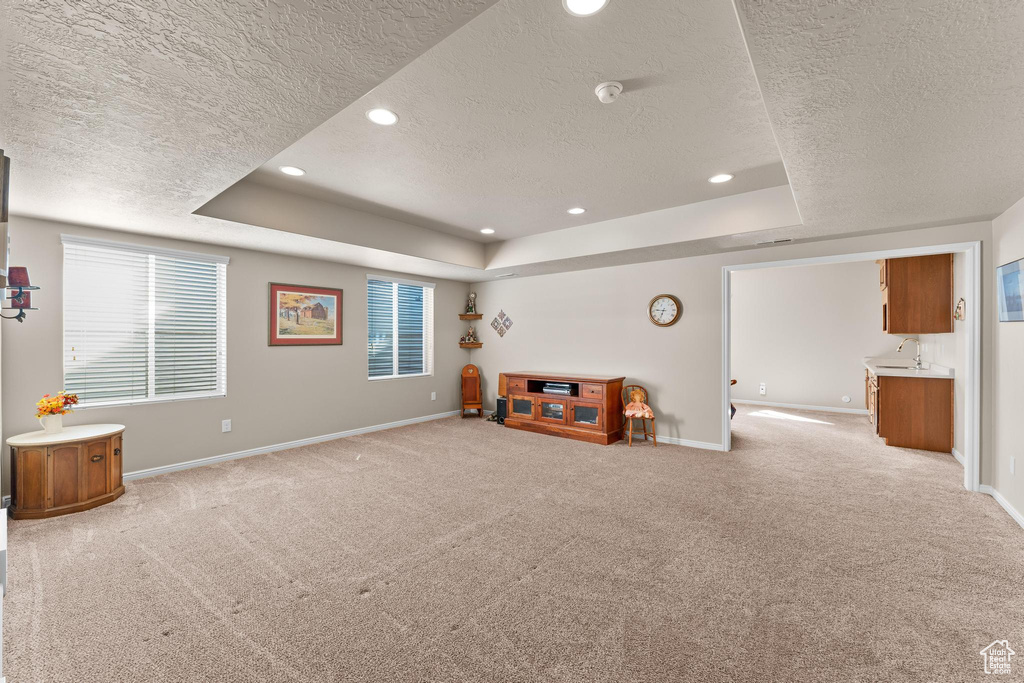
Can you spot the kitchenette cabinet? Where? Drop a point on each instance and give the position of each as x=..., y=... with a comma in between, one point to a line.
x=910, y=408
x=917, y=294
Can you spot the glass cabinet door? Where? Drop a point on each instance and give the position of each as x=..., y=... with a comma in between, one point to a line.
x=586, y=415
x=552, y=410
x=521, y=406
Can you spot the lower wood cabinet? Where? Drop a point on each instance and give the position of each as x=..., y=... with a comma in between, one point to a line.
x=76, y=469
x=912, y=412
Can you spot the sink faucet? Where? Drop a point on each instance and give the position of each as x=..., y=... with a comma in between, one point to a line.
x=917, y=358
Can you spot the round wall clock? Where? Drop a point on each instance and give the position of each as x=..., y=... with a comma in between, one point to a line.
x=664, y=310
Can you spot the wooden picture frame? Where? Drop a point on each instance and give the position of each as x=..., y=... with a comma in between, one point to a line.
x=301, y=315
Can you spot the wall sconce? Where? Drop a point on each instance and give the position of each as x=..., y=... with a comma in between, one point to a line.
x=18, y=293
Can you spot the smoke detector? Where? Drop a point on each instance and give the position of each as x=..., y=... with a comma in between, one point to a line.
x=608, y=92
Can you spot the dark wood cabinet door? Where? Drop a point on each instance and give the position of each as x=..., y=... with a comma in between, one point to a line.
x=30, y=479
x=919, y=295
x=64, y=478
x=96, y=469
x=116, y=463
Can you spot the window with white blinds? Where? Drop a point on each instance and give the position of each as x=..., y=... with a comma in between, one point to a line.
x=400, y=325
x=142, y=324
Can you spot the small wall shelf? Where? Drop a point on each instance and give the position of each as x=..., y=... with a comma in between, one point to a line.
x=473, y=345
x=471, y=316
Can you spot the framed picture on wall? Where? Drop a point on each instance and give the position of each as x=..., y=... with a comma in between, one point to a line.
x=304, y=316
x=1010, y=283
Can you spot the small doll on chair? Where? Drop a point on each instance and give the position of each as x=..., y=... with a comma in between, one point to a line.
x=636, y=407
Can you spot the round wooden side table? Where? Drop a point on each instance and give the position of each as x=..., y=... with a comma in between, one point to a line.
x=76, y=469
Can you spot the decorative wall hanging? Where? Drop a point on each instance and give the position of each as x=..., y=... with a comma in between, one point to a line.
x=304, y=316
x=501, y=323
x=959, y=313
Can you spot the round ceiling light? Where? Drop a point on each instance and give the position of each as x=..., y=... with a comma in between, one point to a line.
x=577, y=211
x=584, y=8
x=382, y=117
x=721, y=178
x=292, y=170
x=487, y=231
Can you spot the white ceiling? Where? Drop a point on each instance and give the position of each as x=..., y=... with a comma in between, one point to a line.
x=130, y=114
x=893, y=113
x=500, y=127
x=133, y=115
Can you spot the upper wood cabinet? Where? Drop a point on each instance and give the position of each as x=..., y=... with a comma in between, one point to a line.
x=917, y=294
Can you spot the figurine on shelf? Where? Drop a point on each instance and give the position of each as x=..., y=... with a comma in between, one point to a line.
x=471, y=304
x=470, y=337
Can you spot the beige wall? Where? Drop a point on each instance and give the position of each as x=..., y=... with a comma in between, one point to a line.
x=274, y=394
x=804, y=332
x=596, y=321
x=1008, y=391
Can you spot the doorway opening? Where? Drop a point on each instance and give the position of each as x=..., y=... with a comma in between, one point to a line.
x=791, y=349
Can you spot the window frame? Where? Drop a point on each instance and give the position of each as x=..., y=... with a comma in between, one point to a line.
x=152, y=253
x=428, y=343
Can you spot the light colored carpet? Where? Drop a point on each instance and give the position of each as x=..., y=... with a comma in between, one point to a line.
x=458, y=550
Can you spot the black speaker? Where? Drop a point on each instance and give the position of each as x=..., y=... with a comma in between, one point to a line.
x=502, y=410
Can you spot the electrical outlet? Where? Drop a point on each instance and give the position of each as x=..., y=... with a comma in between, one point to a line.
x=764, y=392
x=433, y=395
x=225, y=425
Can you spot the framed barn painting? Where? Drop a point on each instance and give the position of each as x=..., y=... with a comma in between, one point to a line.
x=304, y=316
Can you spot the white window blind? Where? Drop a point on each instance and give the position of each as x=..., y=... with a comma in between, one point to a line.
x=142, y=324
x=400, y=322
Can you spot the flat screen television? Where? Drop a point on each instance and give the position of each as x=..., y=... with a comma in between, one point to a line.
x=1010, y=283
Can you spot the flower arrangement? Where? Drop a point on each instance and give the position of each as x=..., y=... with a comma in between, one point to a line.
x=55, y=405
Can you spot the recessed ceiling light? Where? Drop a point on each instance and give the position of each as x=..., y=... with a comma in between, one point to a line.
x=382, y=117
x=577, y=211
x=583, y=8
x=292, y=170
x=721, y=178
x=487, y=231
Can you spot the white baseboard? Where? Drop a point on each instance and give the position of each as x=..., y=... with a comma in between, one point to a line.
x=959, y=457
x=1012, y=511
x=153, y=471
x=675, y=441
x=797, y=406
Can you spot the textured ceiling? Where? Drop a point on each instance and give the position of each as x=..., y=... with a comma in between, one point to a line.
x=500, y=126
x=892, y=114
x=131, y=115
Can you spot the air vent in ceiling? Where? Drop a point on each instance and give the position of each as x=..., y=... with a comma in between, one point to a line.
x=781, y=241
x=505, y=275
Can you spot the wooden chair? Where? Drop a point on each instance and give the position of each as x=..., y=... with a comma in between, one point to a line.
x=471, y=398
x=626, y=391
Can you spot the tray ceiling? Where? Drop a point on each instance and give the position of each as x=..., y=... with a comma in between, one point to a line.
x=499, y=125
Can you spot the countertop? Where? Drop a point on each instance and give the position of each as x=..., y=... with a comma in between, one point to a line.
x=892, y=367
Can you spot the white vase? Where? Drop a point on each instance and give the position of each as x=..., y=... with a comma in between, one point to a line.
x=52, y=424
